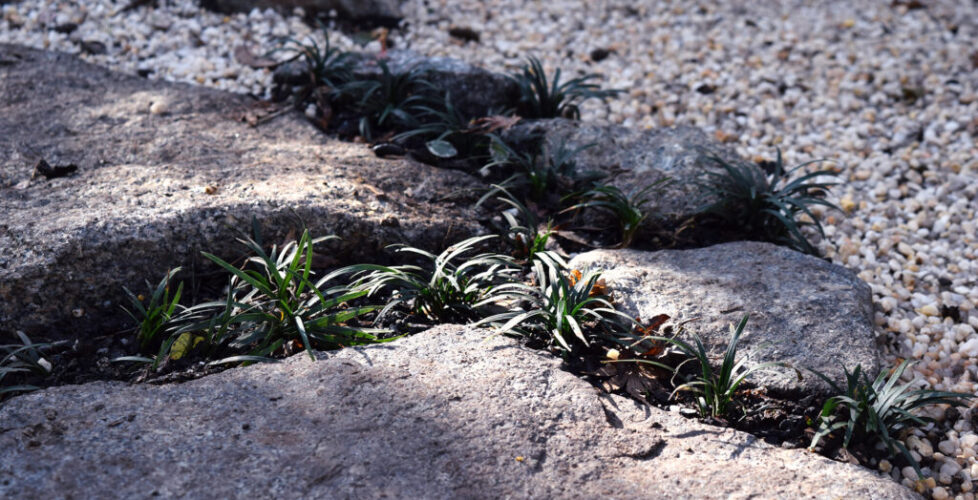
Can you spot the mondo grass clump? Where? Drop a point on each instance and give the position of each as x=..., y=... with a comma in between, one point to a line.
x=714, y=388
x=325, y=64
x=562, y=309
x=540, y=172
x=19, y=361
x=453, y=286
x=391, y=102
x=627, y=209
x=767, y=206
x=881, y=410
x=272, y=307
x=155, y=317
x=548, y=97
x=524, y=232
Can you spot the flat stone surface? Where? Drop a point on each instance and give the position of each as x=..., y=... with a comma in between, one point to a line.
x=166, y=170
x=448, y=413
x=803, y=310
x=634, y=158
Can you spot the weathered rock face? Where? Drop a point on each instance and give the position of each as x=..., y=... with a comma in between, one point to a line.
x=443, y=414
x=384, y=11
x=634, y=158
x=803, y=310
x=166, y=170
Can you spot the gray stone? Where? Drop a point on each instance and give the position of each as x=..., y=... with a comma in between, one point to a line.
x=166, y=170
x=448, y=413
x=803, y=310
x=633, y=158
x=385, y=11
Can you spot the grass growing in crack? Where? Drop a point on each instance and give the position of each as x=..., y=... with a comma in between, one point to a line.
x=391, y=102
x=627, y=209
x=279, y=303
x=524, y=232
x=562, y=309
x=271, y=304
x=767, y=206
x=543, y=97
x=20, y=358
x=715, y=389
x=156, y=317
x=879, y=410
x=446, y=132
x=540, y=172
x=452, y=287
x=326, y=65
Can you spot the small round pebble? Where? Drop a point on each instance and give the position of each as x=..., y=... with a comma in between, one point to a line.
x=158, y=107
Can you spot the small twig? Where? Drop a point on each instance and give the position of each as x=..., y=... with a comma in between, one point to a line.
x=272, y=116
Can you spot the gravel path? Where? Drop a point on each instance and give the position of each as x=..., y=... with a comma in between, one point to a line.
x=889, y=94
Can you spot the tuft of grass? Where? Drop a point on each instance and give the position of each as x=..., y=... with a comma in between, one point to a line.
x=24, y=357
x=446, y=132
x=155, y=317
x=543, y=97
x=394, y=101
x=767, y=206
x=525, y=233
x=879, y=410
x=564, y=309
x=540, y=171
x=715, y=388
x=271, y=302
x=278, y=302
x=627, y=209
x=453, y=287
x=326, y=65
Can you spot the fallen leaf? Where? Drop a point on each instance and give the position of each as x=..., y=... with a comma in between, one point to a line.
x=490, y=124
x=181, y=346
x=600, y=288
x=653, y=329
x=573, y=277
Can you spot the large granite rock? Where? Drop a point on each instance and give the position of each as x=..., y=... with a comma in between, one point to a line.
x=166, y=170
x=382, y=11
x=634, y=158
x=803, y=310
x=448, y=413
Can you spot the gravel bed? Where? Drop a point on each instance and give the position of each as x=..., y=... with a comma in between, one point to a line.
x=887, y=92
